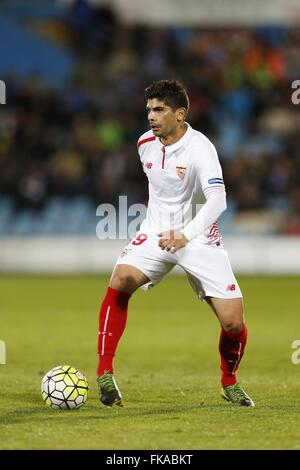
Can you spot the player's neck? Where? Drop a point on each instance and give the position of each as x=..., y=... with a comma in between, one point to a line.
x=171, y=139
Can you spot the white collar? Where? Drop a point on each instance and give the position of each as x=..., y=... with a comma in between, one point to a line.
x=180, y=142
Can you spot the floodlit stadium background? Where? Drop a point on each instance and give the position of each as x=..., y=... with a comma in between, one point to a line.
x=75, y=73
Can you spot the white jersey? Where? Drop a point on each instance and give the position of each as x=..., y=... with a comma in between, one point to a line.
x=182, y=177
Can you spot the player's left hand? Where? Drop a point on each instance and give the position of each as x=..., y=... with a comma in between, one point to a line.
x=172, y=240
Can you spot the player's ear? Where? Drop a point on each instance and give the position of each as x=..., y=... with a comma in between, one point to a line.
x=181, y=114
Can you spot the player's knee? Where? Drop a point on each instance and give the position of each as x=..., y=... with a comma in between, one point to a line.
x=123, y=281
x=233, y=326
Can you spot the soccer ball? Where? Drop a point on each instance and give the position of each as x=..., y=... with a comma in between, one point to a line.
x=64, y=387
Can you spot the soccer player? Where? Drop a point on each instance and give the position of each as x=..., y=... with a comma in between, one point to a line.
x=184, y=175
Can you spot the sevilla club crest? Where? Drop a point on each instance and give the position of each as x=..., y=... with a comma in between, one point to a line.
x=181, y=171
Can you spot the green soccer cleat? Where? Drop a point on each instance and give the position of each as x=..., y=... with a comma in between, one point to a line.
x=109, y=393
x=236, y=395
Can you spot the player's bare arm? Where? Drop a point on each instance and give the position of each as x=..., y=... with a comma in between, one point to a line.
x=172, y=240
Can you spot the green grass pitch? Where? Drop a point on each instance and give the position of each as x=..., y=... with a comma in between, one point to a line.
x=167, y=367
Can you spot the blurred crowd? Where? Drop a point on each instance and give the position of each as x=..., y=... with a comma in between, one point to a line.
x=80, y=140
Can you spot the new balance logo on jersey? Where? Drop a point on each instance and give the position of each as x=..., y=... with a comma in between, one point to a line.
x=231, y=287
x=149, y=165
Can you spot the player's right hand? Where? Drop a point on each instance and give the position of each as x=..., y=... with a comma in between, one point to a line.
x=172, y=240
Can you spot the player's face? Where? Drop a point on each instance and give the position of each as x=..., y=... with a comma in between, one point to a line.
x=163, y=120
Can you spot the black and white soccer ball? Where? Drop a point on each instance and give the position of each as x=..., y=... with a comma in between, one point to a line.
x=64, y=388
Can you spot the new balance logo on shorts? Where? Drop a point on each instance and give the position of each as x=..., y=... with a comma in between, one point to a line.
x=231, y=287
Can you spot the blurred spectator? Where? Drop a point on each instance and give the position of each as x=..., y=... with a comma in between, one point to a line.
x=32, y=189
x=292, y=221
x=68, y=173
x=80, y=139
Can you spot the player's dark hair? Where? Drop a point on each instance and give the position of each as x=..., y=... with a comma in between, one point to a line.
x=171, y=92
